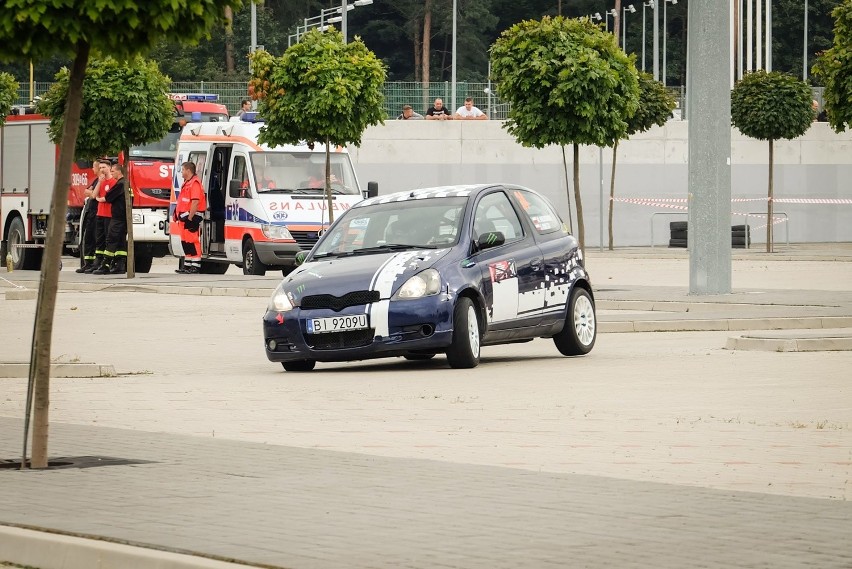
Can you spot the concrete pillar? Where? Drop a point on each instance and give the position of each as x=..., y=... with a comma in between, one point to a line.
x=709, y=56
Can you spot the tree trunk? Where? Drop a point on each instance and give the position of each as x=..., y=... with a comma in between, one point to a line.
x=427, y=43
x=567, y=190
x=328, y=180
x=128, y=212
x=39, y=376
x=612, y=190
x=769, y=203
x=229, y=40
x=418, y=53
x=616, y=23
x=581, y=230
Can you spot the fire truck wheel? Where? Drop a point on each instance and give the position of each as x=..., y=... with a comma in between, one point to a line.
x=252, y=265
x=142, y=263
x=21, y=258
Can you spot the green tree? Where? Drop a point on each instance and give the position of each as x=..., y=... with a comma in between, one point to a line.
x=124, y=105
x=8, y=95
x=38, y=29
x=771, y=106
x=834, y=67
x=655, y=108
x=320, y=90
x=568, y=83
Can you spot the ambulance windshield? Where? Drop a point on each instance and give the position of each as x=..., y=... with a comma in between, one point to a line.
x=302, y=172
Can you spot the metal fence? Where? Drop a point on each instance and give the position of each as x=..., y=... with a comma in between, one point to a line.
x=397, y=93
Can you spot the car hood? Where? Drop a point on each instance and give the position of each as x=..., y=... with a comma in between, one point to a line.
x=383, y=272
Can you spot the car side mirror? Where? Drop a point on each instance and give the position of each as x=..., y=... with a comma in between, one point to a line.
x=372, y=190
x=490, y=240
x=236, y=189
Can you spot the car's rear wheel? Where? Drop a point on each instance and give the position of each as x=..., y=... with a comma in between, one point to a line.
x=299, y=365
x=577, y=338
x=464, y=351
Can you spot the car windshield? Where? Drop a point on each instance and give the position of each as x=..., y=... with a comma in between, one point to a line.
x=302, y=172
x=165, y=148
x=409, y=224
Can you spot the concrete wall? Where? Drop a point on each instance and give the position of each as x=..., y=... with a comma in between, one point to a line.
x=403, y=155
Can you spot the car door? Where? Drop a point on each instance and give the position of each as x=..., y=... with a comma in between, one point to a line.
x=550, y=233
x=512, y=273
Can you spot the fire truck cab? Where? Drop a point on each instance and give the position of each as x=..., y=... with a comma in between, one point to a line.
x=264, y=204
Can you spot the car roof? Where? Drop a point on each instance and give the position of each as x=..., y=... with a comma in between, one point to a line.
x=458, y=190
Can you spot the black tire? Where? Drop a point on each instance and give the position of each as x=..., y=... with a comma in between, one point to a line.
x=578, y=336
x=678, y=225
x=214, y=268
x=741, y=228
x=467, y=336
x=252, y=265
x=16, y=236
x=679, y=234
x=418, y=357
x=299, y=365
x=142, y=263
x=677, y=242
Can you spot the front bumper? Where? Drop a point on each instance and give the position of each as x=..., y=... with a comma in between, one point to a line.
x=150, y=225
x=276, y=253
x=412, y=325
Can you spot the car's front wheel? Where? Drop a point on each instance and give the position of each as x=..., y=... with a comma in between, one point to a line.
x=577, y=338
x=299, y=365
x=464, y=351
x=252, y=265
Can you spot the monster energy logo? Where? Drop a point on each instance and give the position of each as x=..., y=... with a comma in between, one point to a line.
x=300, y=289
x=300, y=257
x=491, y=239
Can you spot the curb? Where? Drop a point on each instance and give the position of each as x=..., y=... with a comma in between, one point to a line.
x=829, y=341
x=43, y=550
x=727, y=324
x=19, y=370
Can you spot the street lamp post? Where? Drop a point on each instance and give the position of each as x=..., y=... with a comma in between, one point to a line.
x=610, y=14
x=632, y=10
x=665, y=35
x=805, y=48
x=648, y=4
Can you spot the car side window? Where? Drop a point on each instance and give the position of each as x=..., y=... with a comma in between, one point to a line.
x=540, y=213
x=239, y=177
x=494, y=212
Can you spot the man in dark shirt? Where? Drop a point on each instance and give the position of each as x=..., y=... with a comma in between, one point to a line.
x=115, y=256
x=438, y=112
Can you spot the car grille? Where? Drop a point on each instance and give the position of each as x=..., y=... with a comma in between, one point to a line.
x=305, y=239
x=159, y=193
x=338, y=303
x=337, y=340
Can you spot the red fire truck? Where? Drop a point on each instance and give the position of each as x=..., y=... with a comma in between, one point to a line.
x=28, y=166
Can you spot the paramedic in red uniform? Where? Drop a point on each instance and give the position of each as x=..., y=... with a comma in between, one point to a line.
x=103, y=216
x=191, y=203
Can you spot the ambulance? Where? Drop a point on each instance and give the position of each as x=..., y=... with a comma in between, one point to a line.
x=265, y=204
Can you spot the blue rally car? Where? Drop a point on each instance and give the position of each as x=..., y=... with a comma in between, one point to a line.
x=436, y=270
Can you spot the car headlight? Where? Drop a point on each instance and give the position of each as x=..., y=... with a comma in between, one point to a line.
x=280, y=301
x=276, y=232
x=422, y=284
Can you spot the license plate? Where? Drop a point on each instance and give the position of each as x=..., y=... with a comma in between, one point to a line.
x=336, y=324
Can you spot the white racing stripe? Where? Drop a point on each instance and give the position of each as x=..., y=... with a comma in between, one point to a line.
x=383, y=282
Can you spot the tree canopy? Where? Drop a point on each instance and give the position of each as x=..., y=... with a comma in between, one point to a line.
x=834, y=67
x=320, y=90
x=8, y=94
x=655, y=107
x=771, y=106
x=124, y=104
x=567, y=82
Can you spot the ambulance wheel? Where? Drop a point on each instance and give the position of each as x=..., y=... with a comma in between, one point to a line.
x=577, y=338
x=142, y=263
x=252, y=265
x=299, y=365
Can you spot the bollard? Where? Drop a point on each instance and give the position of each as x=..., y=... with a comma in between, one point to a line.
x=9, y=263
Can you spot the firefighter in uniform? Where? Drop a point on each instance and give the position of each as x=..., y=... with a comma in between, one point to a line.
x=103, y=216
x=115, y=254
x=87, y=224
x=191, y=203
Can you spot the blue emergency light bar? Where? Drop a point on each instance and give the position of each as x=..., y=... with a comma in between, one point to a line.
x=251, y=116
x=201, y=97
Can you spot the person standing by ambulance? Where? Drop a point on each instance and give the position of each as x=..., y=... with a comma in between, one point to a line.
x=191, y=203
x=103, y=216
x=87, y=223
x=115, y=254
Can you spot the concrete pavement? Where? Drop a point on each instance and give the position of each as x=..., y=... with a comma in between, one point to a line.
x=657, y=450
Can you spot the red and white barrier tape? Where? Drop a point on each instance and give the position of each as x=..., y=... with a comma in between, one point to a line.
x=660, y=201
